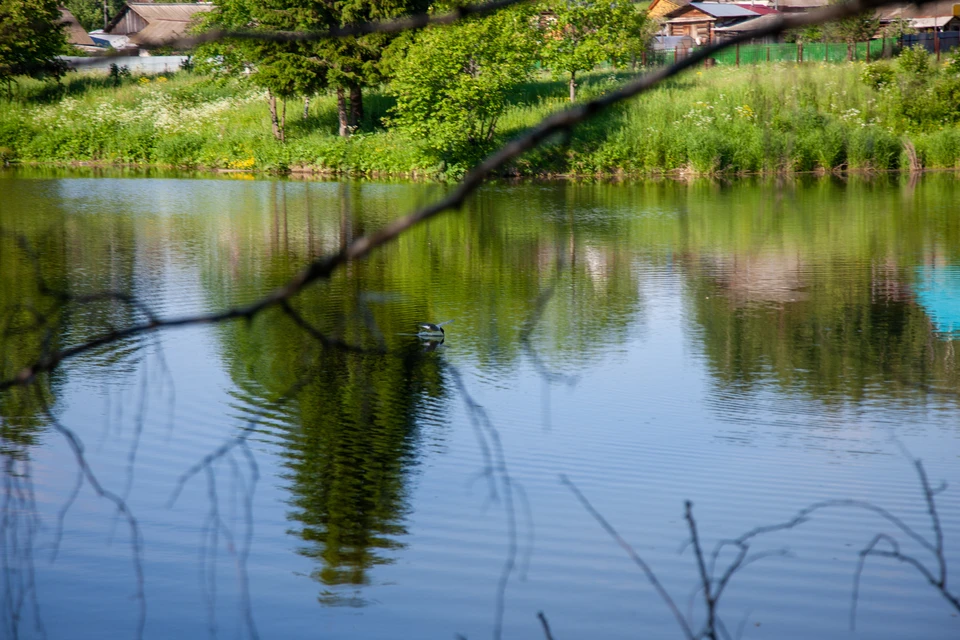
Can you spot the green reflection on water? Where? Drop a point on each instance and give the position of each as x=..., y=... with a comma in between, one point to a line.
x=807, y=284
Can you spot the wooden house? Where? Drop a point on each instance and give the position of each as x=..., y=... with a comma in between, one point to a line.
x=154, y=24
x=699, y=19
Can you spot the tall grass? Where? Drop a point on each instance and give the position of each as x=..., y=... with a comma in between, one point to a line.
x=779, y=117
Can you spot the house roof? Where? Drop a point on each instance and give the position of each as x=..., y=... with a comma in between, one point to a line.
x=757, y=8
x=76, y=34
x=660, y=8
x=750, y=25
x=801, y=4
x=723, y=10
x=929, y=23
x=159, y=32
x=943, y=8
x=152, y=11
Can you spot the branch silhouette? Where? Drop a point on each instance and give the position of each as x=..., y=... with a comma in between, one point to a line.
x=712, y=586
x=552, y=125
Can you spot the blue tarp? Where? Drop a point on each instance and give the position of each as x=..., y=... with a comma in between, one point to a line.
x=938, y=292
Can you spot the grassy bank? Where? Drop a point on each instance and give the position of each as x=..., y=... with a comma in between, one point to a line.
x=766, y=118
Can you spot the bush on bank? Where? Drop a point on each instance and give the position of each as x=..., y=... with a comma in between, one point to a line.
x=765, y=118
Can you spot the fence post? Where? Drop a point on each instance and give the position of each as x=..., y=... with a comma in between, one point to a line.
x=768, y=53
x=643, y=57
x=826, y=51
x=738, y=54
x=868, y=51
x=799, y=52
x=936, y=42
x=674, y=56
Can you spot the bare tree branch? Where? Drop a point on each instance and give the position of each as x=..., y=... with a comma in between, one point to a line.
x=550, y=126
x=637, y=560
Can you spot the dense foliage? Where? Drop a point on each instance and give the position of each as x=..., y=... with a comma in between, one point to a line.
x=579, y=35
x=30, y=39
x=809, y=117
x=451, y=83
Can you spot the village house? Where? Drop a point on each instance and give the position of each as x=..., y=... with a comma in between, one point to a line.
x=699, y=19
x=943, y=16
x=154, y=24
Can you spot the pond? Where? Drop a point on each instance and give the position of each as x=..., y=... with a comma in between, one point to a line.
x=752, y=347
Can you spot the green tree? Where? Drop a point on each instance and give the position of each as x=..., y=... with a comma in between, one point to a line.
x=30, y=39
x=355, y=62
x=578, y=35
x=284, y=69
x=852, y=30
x=451, y=82
x=93, y=14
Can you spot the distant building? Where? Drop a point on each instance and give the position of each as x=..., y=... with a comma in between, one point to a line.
x=943, y=16
x=154, y=24
x=799, y=6
x=76, y=34
x=699, y=19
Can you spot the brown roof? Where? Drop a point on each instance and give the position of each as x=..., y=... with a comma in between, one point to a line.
x=151, y=11
x=76, y=34
x=159, y=32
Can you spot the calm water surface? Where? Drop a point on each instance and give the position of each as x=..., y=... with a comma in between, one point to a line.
x=753, y=348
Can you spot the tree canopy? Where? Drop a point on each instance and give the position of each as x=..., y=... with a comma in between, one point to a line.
x=30, y=39
x=451, y=82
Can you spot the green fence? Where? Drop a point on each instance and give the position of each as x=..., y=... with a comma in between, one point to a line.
x=787, y=52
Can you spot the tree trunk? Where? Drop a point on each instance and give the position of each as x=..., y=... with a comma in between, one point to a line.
x=283, y=123
x=850, y=46
x=573, y=86
x=356, y=105
x=106, y=15
x=306, y=107
x=342, y=113
x=272, y=101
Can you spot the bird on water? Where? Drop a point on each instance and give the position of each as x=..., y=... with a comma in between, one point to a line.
x=430, y=330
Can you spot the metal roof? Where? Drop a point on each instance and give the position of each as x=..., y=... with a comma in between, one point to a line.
x=719, y=10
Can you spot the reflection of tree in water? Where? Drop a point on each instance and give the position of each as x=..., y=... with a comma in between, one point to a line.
x=350, y=439
x=350, y=459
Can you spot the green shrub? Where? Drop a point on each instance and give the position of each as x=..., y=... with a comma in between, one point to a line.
x=877, y=74
x=914, y=61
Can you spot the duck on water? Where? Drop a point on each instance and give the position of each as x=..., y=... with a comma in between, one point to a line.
x=432, y=331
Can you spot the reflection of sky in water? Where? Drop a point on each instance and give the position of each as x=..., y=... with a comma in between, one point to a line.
x=938, y=291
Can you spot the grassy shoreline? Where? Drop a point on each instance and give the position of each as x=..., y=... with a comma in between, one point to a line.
x=763, y=120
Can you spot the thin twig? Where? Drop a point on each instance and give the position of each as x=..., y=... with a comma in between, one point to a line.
x=651, y=576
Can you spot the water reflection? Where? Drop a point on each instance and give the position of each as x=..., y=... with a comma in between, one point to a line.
x=819, y=292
